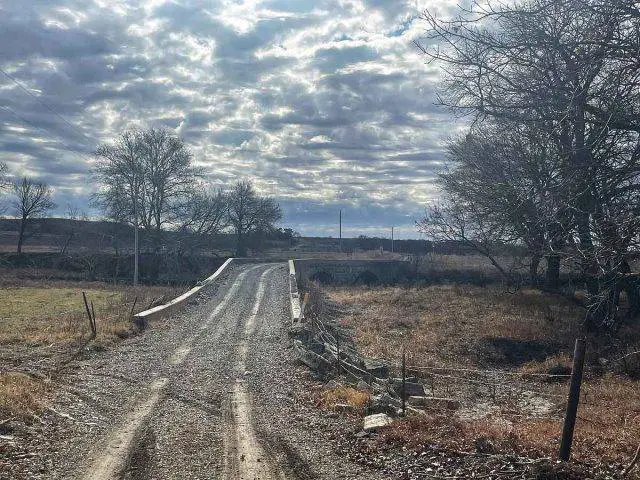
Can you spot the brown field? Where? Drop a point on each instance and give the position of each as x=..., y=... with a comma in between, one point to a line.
x=42, y=323
x=486, y=348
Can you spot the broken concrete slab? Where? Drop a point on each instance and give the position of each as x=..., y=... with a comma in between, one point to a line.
x=374, y=422
x=375, y=367
x=412, y=387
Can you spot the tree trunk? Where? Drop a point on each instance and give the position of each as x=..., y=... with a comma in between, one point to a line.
x=23, y=226
x=241, y=248
x=630, y=285
x=552, y=277
x=533, y=269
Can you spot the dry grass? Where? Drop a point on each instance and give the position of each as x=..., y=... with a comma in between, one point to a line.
x=36, y=317
x=608, y=427
x=331, y=398
x=51, y=314
x=465, y=326
x=438, y=323
x=21, y=396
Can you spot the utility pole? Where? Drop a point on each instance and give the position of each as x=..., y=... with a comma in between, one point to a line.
x=391, y=239
x=135, y=235
x=340, y=230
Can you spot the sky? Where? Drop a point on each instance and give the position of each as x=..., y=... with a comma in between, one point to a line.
x=325, y=104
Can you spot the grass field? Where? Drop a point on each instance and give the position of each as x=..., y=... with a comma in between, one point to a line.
x=481, y=336
x=55, y=314
x=45, y=320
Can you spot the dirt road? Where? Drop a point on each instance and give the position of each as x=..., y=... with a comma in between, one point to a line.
x=210, y=393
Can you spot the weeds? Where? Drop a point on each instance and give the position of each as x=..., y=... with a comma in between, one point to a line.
x=523, y=334
x=21, y=396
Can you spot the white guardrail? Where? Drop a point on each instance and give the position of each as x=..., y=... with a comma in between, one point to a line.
x=296, y=310
x=178, y=302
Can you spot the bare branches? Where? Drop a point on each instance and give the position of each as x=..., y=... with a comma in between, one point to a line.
x=145, y=177
x=564, y=77
x=249, y=213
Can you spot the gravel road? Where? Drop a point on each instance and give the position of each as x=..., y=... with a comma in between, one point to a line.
x=210, y=393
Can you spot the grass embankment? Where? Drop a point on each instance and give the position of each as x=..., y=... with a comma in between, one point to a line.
x=36, y=320
x=461, y=327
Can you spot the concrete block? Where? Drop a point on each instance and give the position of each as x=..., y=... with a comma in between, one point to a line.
x=374, y=422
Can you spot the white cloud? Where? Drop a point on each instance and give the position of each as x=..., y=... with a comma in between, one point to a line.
x=325, y=103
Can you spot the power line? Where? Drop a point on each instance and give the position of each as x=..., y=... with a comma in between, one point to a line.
x=24, y=120
x=39, y=100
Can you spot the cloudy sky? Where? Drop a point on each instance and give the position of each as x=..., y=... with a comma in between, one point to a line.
x=325, y=104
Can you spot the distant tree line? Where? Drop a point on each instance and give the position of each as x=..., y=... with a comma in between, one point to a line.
x=552, y=159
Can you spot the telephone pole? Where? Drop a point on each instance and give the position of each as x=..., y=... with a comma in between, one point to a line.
x=391, y=239
x=340, y=230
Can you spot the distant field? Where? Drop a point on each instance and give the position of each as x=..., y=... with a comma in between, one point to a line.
x=486, y=348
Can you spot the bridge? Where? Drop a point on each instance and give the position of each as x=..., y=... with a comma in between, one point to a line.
x=367, y=272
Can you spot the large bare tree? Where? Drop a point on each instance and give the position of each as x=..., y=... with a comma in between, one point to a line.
x=169, y=178
x=569, y=68
x=144, y=176
x=120, y=171
x=31, y=199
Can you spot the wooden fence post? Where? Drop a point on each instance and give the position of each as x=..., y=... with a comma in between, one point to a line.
x=91, y=319
x=338, y=350
x=573, y=400
x=404, y=382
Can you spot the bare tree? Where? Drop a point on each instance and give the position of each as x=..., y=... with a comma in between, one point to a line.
x=205, y=213
x=569, y=68
x=75, y=218
x=121, y=173
x=32, y=199
x=250, y=214
x=5, y=182
x=145, y=177
x=169, y=178
x=504, y=176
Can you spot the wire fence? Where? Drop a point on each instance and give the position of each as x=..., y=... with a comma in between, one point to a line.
x=475, y=391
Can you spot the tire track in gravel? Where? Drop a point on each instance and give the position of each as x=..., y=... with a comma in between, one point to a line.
x=245, y=457
x=122, y=440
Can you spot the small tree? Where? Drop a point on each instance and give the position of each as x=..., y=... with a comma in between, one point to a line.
x=250, y=214
x=31, y=200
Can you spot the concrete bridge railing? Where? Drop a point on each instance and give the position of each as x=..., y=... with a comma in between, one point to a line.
x=368, y=272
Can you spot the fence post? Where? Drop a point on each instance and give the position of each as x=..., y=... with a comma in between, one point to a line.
x=404, y=382
x=574, y=398
x=338, y=350
x=91, y=321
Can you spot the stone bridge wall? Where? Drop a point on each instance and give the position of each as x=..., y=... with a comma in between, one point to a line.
x=351, y=271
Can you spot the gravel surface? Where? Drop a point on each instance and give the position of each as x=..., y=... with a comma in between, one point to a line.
x=159, y=405
x=215, y=392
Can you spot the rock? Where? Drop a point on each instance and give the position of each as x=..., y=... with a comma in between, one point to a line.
x=316, y=347
x=435, y=403
x=373, y=422
x=316, y=362
x=375, y=367
x=364, y=386
x=412, y=387
x=384, y=403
